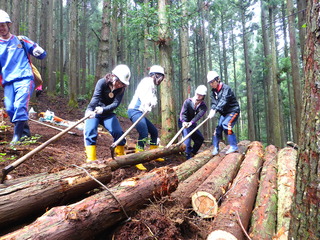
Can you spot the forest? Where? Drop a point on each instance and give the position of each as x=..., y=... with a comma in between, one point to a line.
x=267, y=51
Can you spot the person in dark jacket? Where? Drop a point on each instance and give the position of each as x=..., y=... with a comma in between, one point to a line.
x=107, y=96
x=192, y=110
x=223, y=101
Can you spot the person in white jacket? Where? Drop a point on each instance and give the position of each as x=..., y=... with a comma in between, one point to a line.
x=144, y=99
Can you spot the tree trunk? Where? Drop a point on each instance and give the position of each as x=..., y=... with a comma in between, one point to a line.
x=264, y=216
x=239, y=201
x=273, y=88
x=287, y=159
x=87, y=218
x=207, y=196
x=185, y=68
x=73, y=54
x=37, y=193
x=251, y=129
x=168, y=117
x=295, y=73
x=103, y=63
x=305, y=211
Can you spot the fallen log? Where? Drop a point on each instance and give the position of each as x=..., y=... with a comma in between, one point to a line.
x=87, y=218
x=287, y=158
x=34, y=196
x=235, y=211
x=189, y=185
x=206, y=197
x=264, y=215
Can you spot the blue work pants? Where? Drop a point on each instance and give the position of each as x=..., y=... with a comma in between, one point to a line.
x=226, y=124
x=144, y=128
x=109, y=122
x=16, y=99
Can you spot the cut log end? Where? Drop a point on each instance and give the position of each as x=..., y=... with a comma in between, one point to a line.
x=221, y=235
x=204, y=204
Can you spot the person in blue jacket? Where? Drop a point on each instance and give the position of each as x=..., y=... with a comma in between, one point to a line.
x=193, y=109
x=16, y=76
x=107, y=96
x=223, y=101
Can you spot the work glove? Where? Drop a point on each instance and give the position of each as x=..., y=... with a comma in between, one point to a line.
x=90, y=114
x=146, y=108
x=37, y=51
x=186, y=124
x=99, y=110
x=211, y=113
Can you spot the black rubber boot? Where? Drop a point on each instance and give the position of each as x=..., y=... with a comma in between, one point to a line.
x=18, y=131
x=26, y=131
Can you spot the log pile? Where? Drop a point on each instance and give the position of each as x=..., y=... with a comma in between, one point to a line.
x=238, y=194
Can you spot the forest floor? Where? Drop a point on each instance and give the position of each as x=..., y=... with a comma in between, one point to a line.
x=161, y=219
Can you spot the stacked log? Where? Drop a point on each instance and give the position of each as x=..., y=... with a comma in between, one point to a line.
x=38, y=193
x=206, y=197
x=287, y=159
x=235, y=211
x=264, y=216
x=188, y=186
x=92, y=215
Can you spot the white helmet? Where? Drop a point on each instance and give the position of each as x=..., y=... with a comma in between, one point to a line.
x=4, y=17
x=156, y=69
x=201, y=90
x=212, y=75
x=123, y=73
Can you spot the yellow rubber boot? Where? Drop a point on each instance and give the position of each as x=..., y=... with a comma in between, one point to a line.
x=119, y=150
x=91, y=153
x=140, y=166
x=158, y=159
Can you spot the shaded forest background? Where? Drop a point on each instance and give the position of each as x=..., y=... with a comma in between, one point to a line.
x=256, y=46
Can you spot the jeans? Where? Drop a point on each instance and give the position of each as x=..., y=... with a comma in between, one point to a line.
x=109, y=122
x=144, y=127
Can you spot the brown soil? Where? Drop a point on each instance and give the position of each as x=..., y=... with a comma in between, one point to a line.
x=161, y=220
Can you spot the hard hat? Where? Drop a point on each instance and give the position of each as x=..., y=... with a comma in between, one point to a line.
x=156, y=69
x=201, y=90
x=4, y=17
x=212, y=75
x=123, y=73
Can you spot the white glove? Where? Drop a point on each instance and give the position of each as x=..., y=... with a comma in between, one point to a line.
x=99, y=110
x=37, y=51
x=211, y=113
x=186, y=124
x=90, y=114
x=146, y=108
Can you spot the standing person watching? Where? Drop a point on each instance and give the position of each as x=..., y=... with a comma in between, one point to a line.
x=223, y=101
x=144, y=99
x=192, y=110
x=16, y=76
x=107, y=96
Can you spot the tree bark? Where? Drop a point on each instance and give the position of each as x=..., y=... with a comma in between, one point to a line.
x=87, y=218
x=34, y=195
x=168, y=117
x=239, y=201
x=295, y=73
x=287, y=158
x=305, y=221
x=264, y=216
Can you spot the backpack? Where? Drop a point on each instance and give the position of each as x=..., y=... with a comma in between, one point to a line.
x=36, y=74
